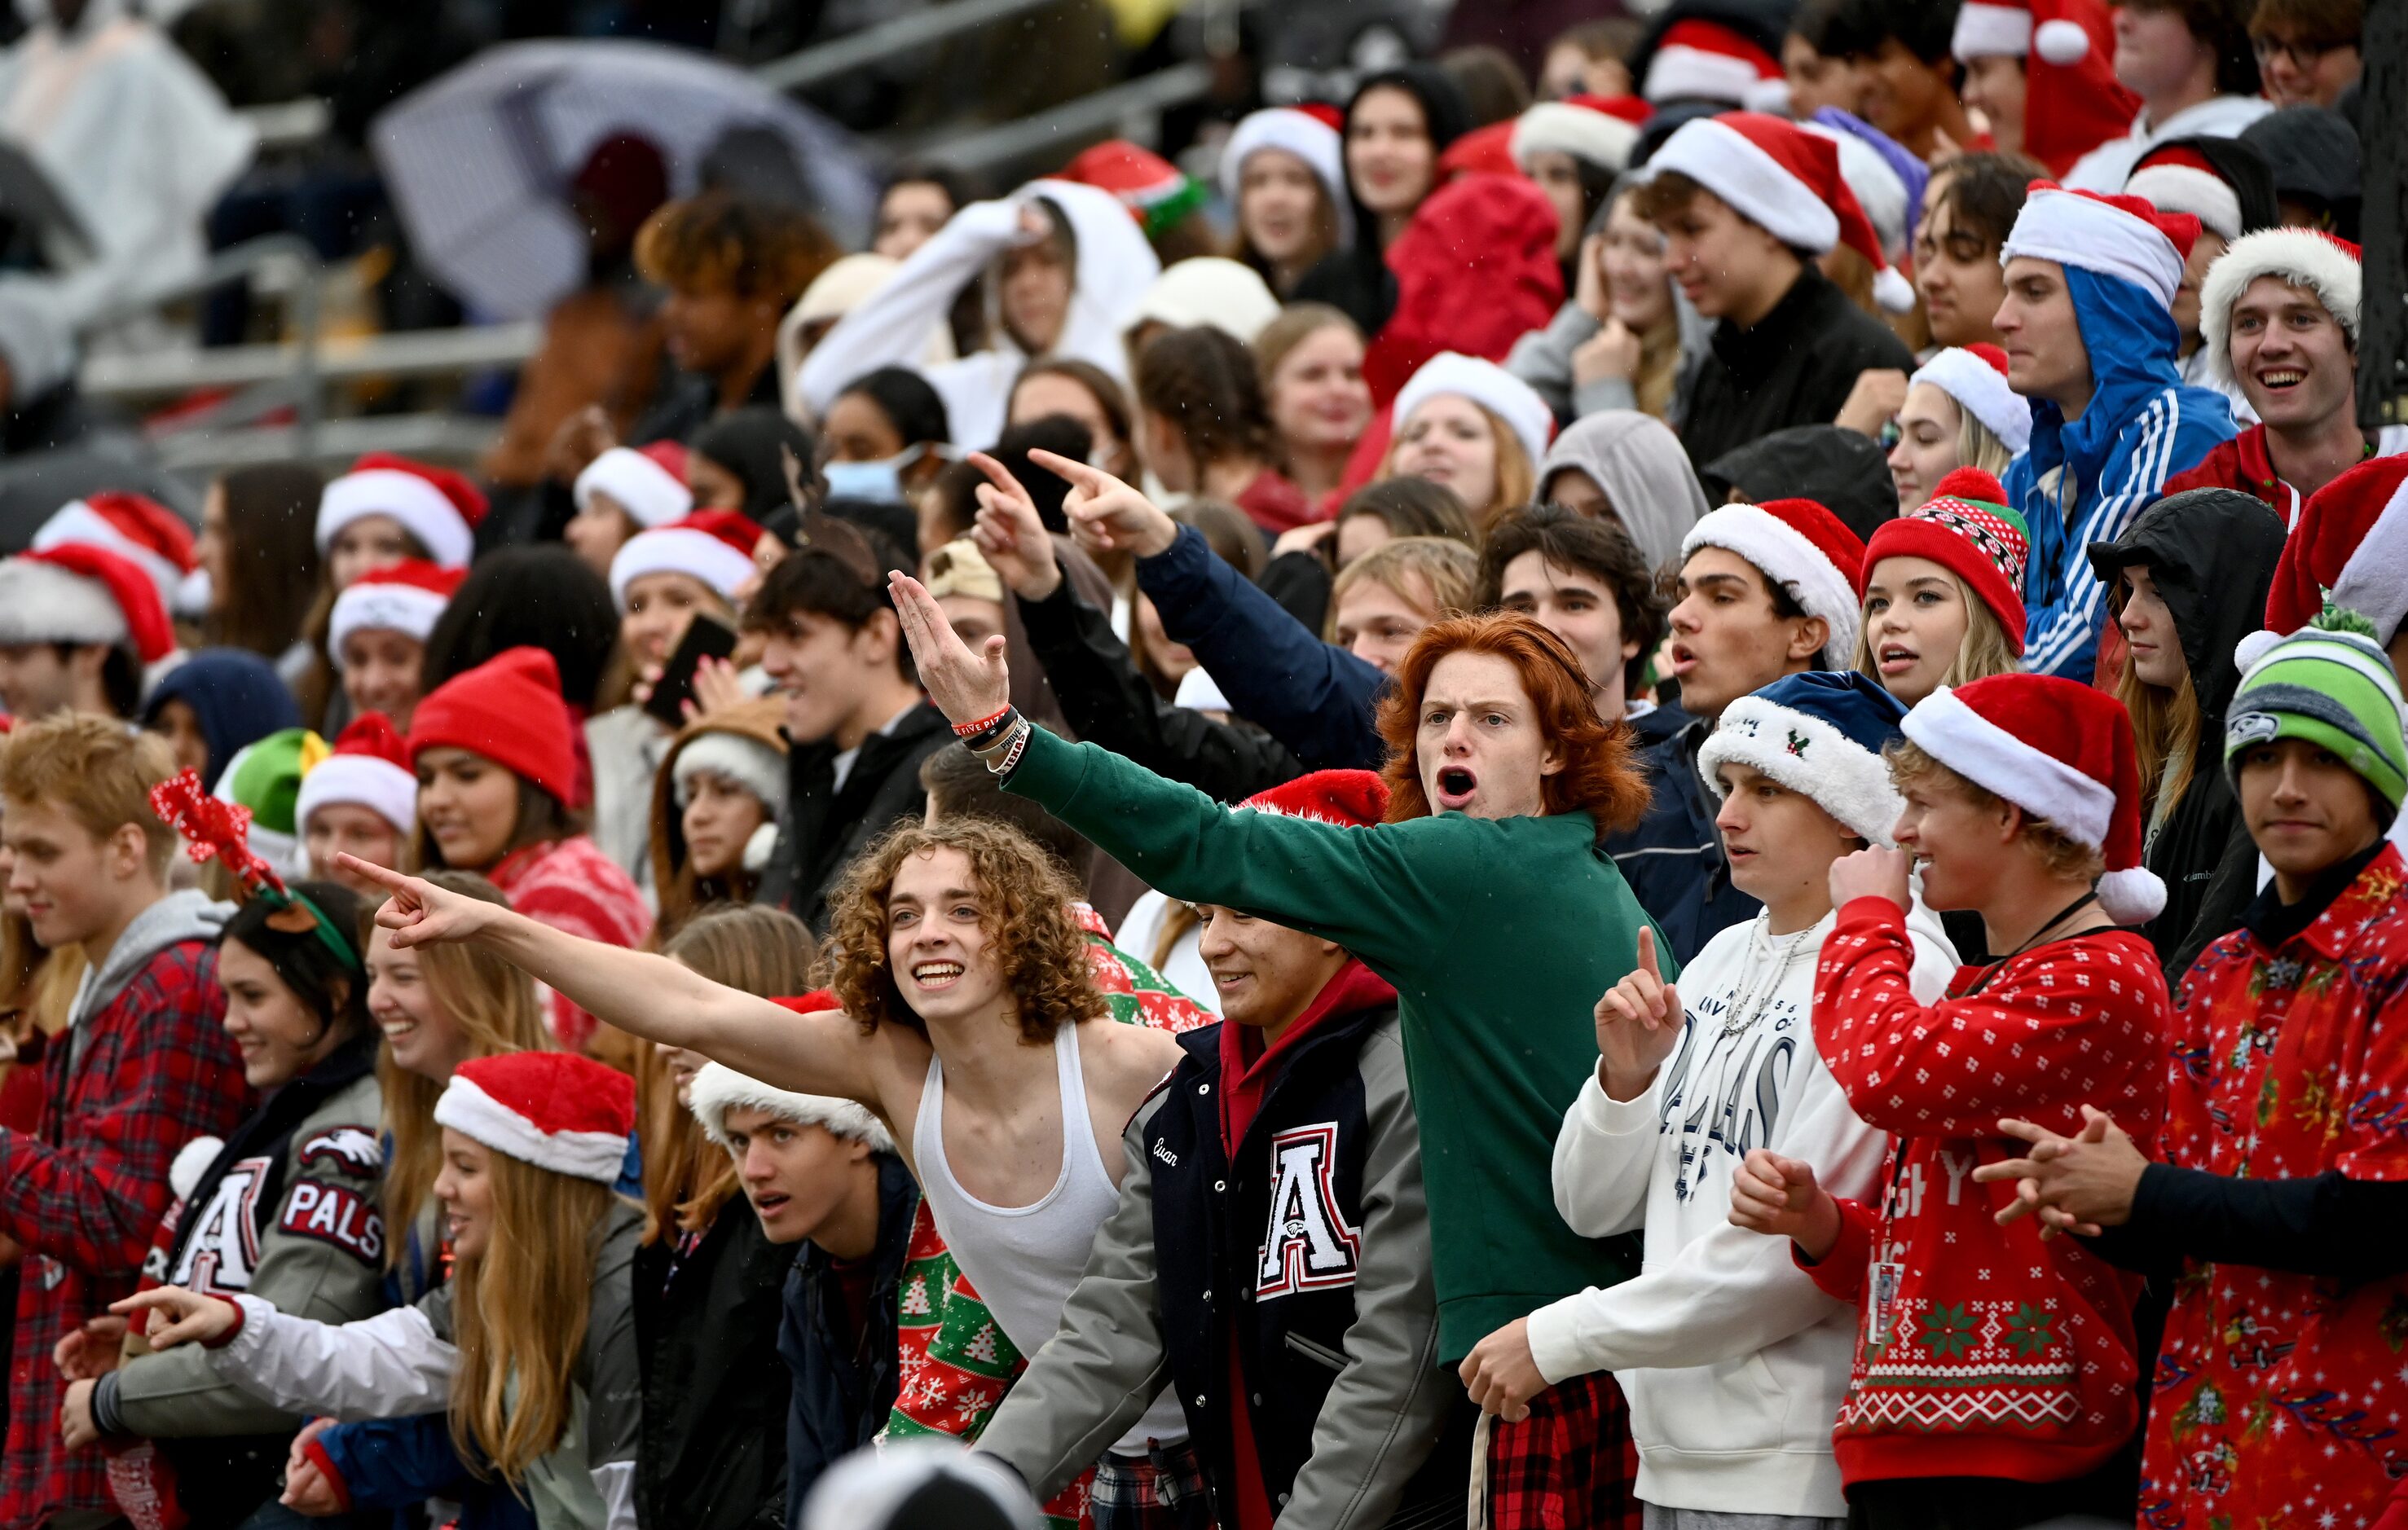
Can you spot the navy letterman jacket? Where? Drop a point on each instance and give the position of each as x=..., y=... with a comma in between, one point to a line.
x=1310, y=1254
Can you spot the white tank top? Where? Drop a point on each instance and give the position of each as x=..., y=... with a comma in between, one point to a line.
x=1025, y=1260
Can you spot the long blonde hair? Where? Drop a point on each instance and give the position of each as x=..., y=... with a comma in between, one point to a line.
x=1982, y=653
x=493, y=1005
x=2166, y=720
x=689, y=1179
x=519, y=1315
x=1978, y=445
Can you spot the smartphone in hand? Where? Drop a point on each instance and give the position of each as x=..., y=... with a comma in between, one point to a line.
x=706, y=636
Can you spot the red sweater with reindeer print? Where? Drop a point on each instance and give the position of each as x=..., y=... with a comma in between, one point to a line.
x=1981, y=1349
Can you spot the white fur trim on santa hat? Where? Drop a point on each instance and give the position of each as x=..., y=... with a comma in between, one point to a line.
x=1991, y=31
x=190, y=1162
x=2298, y=257
x=1722, y=159
x=2133, y=896
x=380, y=606
x=2374, y=581
x=380, y=786
x=1298, y=133
x=422, y=510
x=1486, y=384
x=468, y=1109
x=76, y=521
x=719, y=1089
x=43, y=603
x=1682, y=73
x=748, y=761
x=2082, y=231
x=1585, y=133
x=1782, y=553
x=2182, y=188
x=1845, y=779
x=647, y=492
x=2000, y=762
x=1981, y=391
x=679, y=550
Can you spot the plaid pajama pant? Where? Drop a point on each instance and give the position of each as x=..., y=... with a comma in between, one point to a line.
x=1570, y=1465
x=1161, y=1490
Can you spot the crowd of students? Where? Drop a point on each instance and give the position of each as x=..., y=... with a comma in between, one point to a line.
x=1678, y=810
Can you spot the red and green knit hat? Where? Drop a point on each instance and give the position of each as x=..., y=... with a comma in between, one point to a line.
x=1153, y=189
x=1968, y=528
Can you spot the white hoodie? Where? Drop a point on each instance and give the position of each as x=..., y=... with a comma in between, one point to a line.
x=2106, y=167
x=891, y=326
x=1733, y=1361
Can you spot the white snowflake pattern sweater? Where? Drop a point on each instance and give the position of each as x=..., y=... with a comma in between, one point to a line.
x=1735, y=1363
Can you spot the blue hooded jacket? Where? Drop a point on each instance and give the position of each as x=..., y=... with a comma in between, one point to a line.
x=234, y=695
x=2144, y=425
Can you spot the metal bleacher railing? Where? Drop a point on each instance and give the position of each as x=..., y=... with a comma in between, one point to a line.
x=276, y=402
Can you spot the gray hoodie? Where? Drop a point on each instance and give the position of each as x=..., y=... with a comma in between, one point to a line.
x=188, y=915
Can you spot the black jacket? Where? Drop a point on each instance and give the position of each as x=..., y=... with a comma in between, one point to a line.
x=1844, y=472
x=824, y=826
x=712, y=1455
x=1309, y=1254
x=842, y=1390
x=1674, y=857
x=1106, y=701
x=1795, y=367
x=2212, y=554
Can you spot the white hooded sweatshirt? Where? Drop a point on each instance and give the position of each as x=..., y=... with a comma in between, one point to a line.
x=1732, y=1360
x=891, y=327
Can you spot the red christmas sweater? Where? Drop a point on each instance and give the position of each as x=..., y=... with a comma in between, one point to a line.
x=1982, y=1351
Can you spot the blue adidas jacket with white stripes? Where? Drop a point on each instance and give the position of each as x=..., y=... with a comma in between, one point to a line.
x=2083, y=480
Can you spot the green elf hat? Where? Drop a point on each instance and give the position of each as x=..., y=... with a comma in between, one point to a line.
x=265, y=778
x=2329, y=684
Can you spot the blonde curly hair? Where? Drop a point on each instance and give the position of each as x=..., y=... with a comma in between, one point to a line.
x=1024, y=901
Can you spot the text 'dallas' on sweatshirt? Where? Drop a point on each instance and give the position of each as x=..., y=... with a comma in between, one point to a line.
x=1983, y=1351
x=1734, y=1362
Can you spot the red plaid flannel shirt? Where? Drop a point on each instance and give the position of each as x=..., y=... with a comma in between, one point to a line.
x=85, y=1194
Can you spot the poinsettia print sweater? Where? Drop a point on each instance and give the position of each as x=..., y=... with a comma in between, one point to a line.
x=1983, y=1351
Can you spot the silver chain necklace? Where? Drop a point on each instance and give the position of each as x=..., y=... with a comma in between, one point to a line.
x=1749, y=1006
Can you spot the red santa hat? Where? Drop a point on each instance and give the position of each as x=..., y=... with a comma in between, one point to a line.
x=648, y=482
x=135, y=527
x=405, y=597
x=1156, y=194
x=77, y=592
x=1351, y=798
x=1975, y=375
x=2073, y=101
x=368, y=767
x=507, y=709
x=1800, y=546
x=2350, y=547
x=1486, y=384
x=2061, y=751
x=1786, y=181
x=2324, y=264
x=438, y=507
x=1600, y=130
x=1968, y=528
x=1311, y=135
x=555, y=1110
x=2181, y=180
x=712, y=546
x=1699, y=59
x=2116, y=236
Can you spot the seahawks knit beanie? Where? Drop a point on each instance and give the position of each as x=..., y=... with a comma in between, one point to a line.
x=2331, y=685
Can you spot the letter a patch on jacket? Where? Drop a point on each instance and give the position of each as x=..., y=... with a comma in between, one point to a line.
x=1308, y=1245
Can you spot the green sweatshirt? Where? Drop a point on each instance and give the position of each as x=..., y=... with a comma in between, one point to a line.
x=1498, y=935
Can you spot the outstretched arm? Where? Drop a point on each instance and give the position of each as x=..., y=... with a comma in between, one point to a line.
x=646, y=996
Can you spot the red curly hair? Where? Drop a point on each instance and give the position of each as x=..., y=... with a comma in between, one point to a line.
x=1600, y=777
x=1024, y=901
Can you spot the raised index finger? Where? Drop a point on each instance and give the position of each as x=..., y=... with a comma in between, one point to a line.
x=1647, y=952
x=1000, y=476
x=1090, y=478
x=384, y=877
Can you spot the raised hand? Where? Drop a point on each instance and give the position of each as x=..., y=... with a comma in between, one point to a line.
x=1638, y=1026
x=2082, y=1183
x=1108, y=511
x=1872, y=873
x=967, y=687
x=177, y=1316
x=1778, y=1197
x=419, y=913
x=1011, y=534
